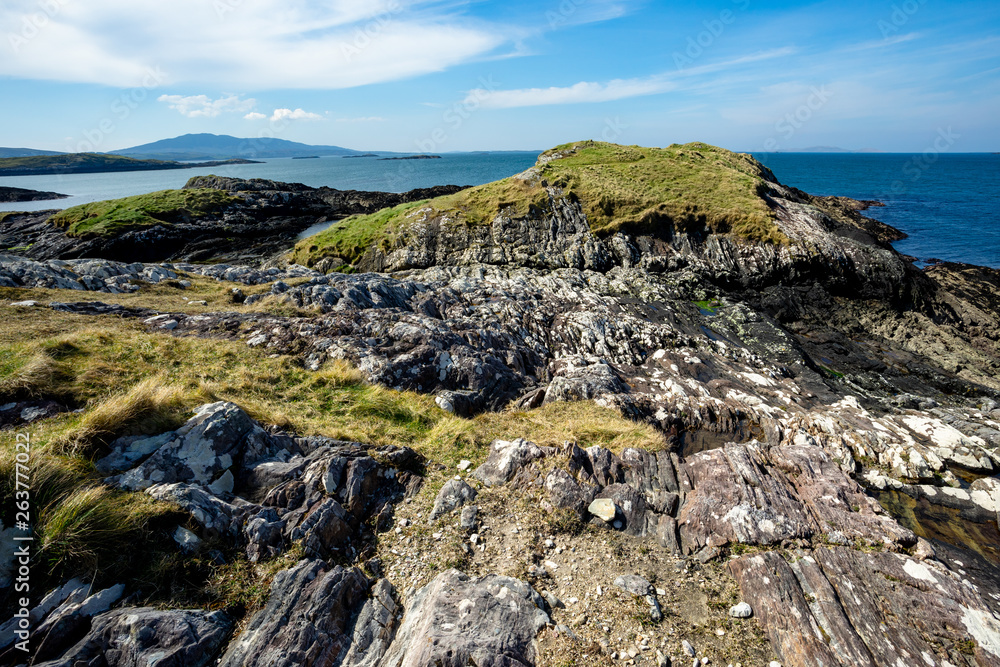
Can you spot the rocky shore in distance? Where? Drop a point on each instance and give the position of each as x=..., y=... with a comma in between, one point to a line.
x=826, y=491
x=264, y=223
x=9, y=195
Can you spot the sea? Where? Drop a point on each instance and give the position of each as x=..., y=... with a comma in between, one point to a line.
x=947, y=203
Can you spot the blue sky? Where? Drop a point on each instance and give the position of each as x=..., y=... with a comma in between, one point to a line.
x=449, y=75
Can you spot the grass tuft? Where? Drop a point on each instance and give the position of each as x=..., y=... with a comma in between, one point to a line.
x=151, y=406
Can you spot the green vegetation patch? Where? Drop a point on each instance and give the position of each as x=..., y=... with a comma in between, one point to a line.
x=350, y=238
x=107, y=218
x=631, y=189
x=6, y=214
x=75, y=161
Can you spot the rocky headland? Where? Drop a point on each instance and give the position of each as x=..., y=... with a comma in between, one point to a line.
x=632, y=406
x=9, y=195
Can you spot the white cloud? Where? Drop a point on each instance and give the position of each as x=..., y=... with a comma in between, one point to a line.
x=297, y=114
x=265, y=44
x=584, y=91
x=253, y=115
x=617, y=89
x=202, y=106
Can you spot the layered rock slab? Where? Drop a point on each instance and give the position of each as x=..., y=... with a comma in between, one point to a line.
x=840, y=606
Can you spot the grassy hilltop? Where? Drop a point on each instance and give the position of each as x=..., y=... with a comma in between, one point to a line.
x=107, y=218
x=621, y=188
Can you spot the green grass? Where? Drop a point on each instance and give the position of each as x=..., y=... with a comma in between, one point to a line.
x=351, y=237
x=687, y=188
x=107, y=218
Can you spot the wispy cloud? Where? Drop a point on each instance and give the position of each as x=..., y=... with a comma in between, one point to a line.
x=202, y=106
x=265, y=44
x=590, y=92
x=284, y=114
x=583, y=92
x=362, y=119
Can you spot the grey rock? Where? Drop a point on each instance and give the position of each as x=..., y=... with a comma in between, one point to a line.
x=634, y=584
x=506, y=458
x=454, y=494
x=306, y=620
x=132, y=637
x=468, y=519
x=741, y=610
x=686, y=645
x=455, y=621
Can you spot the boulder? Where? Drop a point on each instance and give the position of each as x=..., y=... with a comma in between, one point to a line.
x=132, y=637
x=306, y=620
x=454, y=494
x=456, y=621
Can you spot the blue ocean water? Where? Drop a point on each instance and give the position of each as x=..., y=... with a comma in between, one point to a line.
x=949, y=204
x=335, y=172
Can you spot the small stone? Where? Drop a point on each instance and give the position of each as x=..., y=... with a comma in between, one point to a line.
x=742, y=610
x=662, y=660
x=170, y=325
x=720, y=632
x=186, y=540
x=686, y=645
x=464, y=465
x=549, y=544
x=705, y=661
x=474, y=538
x=469, y=515
x=24, y=304
x=436, y=536
x=603, y=508
x=775, y=663
x=198, y=303
x=553, y=601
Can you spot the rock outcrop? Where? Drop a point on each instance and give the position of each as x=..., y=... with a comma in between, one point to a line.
x=267, y=221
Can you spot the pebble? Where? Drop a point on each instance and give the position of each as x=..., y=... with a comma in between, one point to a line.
x=688, y=648
x=464, y=465
x=603, y=508
x=742, y=610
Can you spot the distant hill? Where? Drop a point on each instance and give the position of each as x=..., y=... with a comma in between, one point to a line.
x=24, y=152
x=220, y=147
x=90, y=163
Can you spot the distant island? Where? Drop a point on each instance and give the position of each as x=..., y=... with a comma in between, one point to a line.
x=413, y=157
x=362, y=155
x=305, y=157
x=95, y=163
x=9, y=195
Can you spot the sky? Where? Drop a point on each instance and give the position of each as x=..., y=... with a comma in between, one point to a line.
x=466, y=75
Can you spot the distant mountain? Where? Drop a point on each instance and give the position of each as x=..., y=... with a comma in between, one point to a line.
x=24, y=152
x=221, y=147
